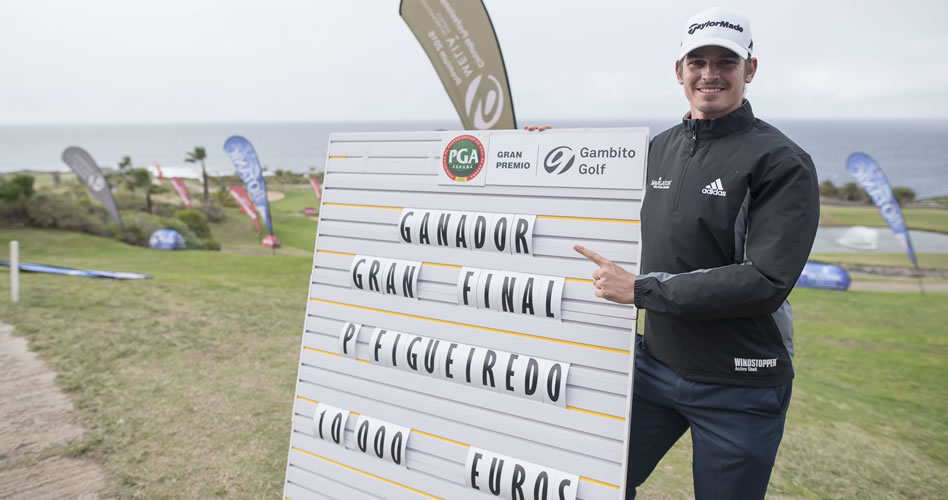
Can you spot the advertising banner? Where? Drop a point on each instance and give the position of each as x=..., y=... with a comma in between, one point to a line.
x=824, y=276
x=245, y=203
x=89, y=174
x=182, y=191
x=453, y=345
x=459, y=39
x=870, y=176
x=314, y=182
x=245, y=160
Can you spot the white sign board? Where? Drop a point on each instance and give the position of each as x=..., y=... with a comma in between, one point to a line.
x=453, y=346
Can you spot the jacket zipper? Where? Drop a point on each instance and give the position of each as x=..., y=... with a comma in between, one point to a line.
x=681, y=181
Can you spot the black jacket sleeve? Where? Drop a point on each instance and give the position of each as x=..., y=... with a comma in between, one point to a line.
x=783, y=215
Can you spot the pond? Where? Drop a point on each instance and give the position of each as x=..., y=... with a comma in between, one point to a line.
x=922, y=241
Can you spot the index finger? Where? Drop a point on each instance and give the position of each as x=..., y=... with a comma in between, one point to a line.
x=597, y=259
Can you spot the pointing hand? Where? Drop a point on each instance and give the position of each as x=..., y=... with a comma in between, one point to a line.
x=612, y=282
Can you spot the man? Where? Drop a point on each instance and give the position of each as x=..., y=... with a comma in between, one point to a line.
x=728, y=219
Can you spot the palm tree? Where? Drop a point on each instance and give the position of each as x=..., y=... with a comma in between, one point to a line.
x=124, y=166
x=198, y=155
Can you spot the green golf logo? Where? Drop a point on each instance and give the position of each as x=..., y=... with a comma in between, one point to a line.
x=463, y=159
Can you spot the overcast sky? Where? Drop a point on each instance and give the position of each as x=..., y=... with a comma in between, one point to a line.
x=112, y=61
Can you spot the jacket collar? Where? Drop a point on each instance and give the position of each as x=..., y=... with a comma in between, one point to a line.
x=733, y=122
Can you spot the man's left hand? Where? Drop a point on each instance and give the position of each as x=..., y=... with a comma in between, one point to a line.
x=612, y=282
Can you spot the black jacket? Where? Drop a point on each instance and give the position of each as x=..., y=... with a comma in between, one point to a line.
x=729, y=216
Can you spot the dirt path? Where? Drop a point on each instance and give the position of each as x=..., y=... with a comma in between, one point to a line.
x=275, y=195
x=36, y=416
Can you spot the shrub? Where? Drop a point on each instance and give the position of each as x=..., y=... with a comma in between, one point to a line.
x=223, y=197
x=852, y=192
x=828, y=190
x=212, y=245
x=125, y=200
x=17, y=189
x=193, y=241
x=213, y=211
x=195, y=220
x=138, y=227
x=56, y=212
x=903, y=195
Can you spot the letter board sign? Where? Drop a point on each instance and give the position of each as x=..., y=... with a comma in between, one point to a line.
x=452, y=346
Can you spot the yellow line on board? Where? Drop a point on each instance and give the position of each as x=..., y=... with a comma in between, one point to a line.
x=451, y=441
x=596, y=413
x=579, y=280
x=307, y=400
x=572, y=408
x=350, y=205
x=341, y=157
x=587, y=219
x=484, y=328
x=380, y=478
x=322, y=352
x=600, y=483
x=439, y=438
x=336, y=253
x=435, y=264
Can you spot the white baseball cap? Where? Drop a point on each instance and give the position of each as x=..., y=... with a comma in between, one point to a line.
x=720, y=27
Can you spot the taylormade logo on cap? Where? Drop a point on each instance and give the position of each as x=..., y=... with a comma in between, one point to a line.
x=719, y=27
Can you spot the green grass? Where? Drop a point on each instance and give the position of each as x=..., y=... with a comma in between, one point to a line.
x=186, y=381
x=923, y=219
x=296, y=232
x=925, y=260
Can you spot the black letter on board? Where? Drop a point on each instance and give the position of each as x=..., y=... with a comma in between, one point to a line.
x=500, y=234
x=521, y=237
x=404, y=229
x=374, y=276
x=474, y=473
x=431, y=354
x=461, y=241
x=493, y=481
x=443, y=228
x=407, y=290
x=489, y=359
x=553, y=382
x=362, y=436
x=412, y=357
x=380, y=441
x=423, y=232
x=533, y=374
x=516, y=483
x=448, y=361
x=356, y=279
x=510, y=371
x=527, y=297
x=507, y=293
x=480, y=231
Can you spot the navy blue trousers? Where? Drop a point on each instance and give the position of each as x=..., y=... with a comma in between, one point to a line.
x=735, y=431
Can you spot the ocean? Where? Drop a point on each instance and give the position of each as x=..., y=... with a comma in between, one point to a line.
x=913, y=154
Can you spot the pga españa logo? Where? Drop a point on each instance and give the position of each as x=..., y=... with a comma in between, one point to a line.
x=463, y=158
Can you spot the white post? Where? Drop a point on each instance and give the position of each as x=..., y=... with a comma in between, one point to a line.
x=15, y=271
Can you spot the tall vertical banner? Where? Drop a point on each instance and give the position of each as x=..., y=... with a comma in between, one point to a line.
x=245, y=160
x=460, y=41
x=89, y=174
x=246, y=204
x=870, y=176
x=314, y=182
x=182, y=191
x=453, y=346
